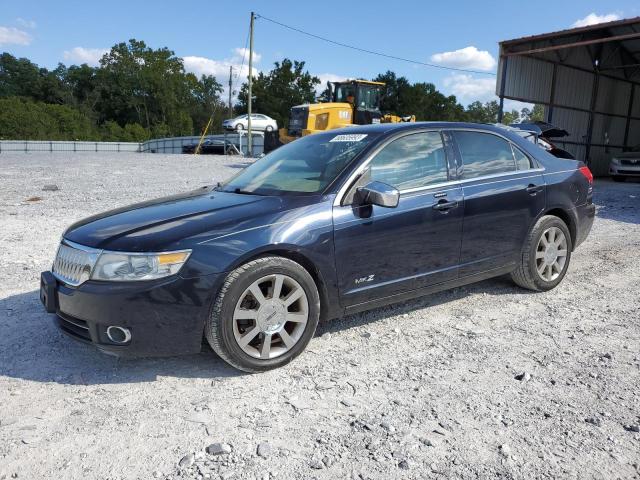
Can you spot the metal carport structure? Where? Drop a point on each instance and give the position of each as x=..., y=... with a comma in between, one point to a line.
x=587, y=79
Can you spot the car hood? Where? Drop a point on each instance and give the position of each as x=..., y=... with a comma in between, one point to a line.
x=627, y=155
x=179, y=221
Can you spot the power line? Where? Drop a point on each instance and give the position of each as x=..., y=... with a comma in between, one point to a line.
x=244, y=53
x=364, y=50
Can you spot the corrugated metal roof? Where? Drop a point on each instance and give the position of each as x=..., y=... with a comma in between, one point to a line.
x=575, y=31
x=602, y=59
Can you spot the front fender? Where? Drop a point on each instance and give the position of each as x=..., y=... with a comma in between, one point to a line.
x=305, y=233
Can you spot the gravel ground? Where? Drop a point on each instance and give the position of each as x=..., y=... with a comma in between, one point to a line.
x=481, y=381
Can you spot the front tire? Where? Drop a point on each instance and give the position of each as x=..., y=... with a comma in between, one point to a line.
x=239, y=127
x=545, y=255
x=268, y=128
x=265, y=314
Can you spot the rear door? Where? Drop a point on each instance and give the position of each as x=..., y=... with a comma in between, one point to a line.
x=257, y=122
x=385, y=251
x=504, y=191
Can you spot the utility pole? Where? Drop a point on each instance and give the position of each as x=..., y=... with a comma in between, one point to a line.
x=230, y=86
x=250, y=99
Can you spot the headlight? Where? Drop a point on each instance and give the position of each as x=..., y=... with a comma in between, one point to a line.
x=615, y=161
x=122, y=267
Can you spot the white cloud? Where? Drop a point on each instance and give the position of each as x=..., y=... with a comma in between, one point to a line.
x=80, y=55
x=594, y=18
x=469, y=88
x=220, y=68
x=516, y=105
x=240, y=53
x=468, y=57
x=26, y=23
x=327, y=77
x=14, y=36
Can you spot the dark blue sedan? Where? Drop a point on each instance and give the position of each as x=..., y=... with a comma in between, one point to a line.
x=333, y=223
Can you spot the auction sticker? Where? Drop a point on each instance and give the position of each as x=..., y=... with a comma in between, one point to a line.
x=354, y=137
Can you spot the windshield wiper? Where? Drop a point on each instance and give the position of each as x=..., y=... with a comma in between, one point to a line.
x=243, y=192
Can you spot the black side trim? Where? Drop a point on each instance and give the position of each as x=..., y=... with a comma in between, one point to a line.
x=438, y=287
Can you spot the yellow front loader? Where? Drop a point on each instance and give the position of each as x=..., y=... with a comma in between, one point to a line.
x=353, y=102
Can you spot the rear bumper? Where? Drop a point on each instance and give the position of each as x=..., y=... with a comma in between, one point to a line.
x=586, y=214
x=164, y=317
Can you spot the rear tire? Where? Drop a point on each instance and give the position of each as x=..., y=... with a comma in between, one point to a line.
x=618, y=178
x=252, y=309
x=544, y=261
x=268, y=128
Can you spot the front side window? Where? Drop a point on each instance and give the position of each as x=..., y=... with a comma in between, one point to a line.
x=412, y=161
x=484, y=154
x=345, y=92
x=305, y=166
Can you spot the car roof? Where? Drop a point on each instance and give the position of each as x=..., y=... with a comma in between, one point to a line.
x=407, y=126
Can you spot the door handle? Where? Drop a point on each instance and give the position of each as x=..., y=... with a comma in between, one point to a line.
x=533, y=189
x=444, y=206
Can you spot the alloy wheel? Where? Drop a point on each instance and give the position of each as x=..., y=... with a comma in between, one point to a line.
x=270, y=317
x=551, y=254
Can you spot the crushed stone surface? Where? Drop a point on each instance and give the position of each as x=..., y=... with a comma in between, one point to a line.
x=481, y=381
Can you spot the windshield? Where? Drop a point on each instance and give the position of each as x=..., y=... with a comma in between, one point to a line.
x=307, y=165
x=368, y=97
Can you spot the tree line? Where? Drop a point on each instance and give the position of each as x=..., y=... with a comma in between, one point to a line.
x=137, y=92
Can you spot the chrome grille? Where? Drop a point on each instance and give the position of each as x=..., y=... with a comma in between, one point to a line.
x=74, y=263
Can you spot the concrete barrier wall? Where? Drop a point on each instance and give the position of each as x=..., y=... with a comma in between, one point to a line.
x=28, y=146
x=157, y=145
x=175, y=144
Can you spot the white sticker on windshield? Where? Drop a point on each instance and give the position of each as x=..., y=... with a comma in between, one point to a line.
x=352, y=137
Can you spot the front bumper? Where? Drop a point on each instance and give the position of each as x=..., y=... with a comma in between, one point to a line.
x=620, y=169
x=165, y=317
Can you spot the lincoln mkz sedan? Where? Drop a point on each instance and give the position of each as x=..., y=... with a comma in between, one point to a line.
x=331, y=224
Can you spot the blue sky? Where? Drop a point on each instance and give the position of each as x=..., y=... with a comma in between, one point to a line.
x=210, y=35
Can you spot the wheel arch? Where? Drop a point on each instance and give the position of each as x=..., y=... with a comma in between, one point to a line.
x=568, y=219
x=300, y=258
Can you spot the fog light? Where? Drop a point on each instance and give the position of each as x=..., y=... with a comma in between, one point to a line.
x=118, y=335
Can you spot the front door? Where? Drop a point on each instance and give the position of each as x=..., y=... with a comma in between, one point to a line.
x=382, y=251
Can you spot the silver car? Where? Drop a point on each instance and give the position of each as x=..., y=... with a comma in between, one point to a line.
x=258, y=122
x=627, y=164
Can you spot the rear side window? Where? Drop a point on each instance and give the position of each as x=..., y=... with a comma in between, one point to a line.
x=412, y=161
x=484, y=154
x=522, y=161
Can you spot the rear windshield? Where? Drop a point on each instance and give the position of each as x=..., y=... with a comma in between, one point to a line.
x=305, y=166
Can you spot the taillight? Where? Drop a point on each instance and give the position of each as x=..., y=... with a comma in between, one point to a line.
x=587, y=174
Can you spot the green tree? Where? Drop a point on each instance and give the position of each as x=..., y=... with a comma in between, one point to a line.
x=288, y=84
x=22, y=78
x=533, y=115
x=420, y=99
x=206, y=103
x=511, y=117
x=28, y=120
x=141, y=85
x=134, y=93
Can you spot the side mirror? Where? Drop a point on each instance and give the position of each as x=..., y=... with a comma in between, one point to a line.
x=378, y=193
